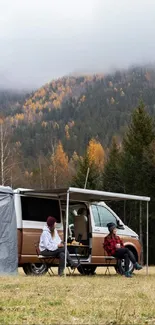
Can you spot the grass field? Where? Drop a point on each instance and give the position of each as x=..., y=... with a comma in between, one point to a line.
x=76, y=299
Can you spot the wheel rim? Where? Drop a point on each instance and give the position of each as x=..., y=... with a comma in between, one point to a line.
x=130, y=266
x=37, y=268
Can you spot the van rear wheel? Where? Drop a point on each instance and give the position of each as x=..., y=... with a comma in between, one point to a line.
x=86, y=270
x=35, y=269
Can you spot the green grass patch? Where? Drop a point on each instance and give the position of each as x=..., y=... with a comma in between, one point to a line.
x=76, y=299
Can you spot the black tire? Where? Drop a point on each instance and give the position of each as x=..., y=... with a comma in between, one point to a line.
x=120, y=269
x=35, y=269
x=86, y=270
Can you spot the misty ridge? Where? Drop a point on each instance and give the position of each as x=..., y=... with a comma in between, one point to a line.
x=77, y=107
x=8, y=86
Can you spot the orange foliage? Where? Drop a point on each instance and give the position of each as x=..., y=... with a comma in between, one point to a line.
x=61, y=157
x=96, y=153
x=53, y=94
x=59, y=165
x=66, y=131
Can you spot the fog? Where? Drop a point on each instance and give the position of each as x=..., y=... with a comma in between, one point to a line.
x=45, y=39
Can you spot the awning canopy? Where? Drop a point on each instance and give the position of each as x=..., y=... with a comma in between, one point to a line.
x=79, y=194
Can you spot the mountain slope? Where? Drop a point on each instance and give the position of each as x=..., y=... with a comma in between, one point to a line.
x=75, y=109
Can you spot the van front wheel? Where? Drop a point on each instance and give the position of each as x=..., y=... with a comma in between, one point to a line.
x=120, y=267
x=35, y=269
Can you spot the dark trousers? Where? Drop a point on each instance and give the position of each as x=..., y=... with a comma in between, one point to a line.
x=127, y=255
x=60, y=254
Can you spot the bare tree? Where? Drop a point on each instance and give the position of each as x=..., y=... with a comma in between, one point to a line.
x=5, y=153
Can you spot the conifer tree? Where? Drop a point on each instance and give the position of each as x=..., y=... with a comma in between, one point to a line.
x=111, y=174
x=82, y=169
x=137, y=140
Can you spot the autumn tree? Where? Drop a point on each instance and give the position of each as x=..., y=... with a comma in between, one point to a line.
x=59, y=166
x=73, y=164
x=96, y=153
x=5, y=153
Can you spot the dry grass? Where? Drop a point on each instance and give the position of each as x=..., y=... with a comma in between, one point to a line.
x=76, y=299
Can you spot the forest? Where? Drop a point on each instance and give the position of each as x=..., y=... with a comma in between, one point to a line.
x=50, y=137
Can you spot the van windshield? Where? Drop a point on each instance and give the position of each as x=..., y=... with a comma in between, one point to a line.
x=102, y=216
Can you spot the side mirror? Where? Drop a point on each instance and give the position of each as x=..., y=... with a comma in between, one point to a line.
x=120, y=225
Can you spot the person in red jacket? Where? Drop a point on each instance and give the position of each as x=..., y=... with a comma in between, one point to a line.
x=115, y=247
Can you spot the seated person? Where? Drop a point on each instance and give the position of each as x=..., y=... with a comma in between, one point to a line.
x=51, y=245
x=81, y=224
x=115, y=247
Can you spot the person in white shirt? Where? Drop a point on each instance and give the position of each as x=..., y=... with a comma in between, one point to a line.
x=51, y=245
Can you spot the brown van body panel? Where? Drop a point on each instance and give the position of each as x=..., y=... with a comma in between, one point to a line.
x=19, y=237
x=98, y=251
x=29, y=238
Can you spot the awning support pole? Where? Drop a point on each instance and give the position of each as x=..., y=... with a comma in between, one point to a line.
x=141, y=233
x=66, y=235
x=147, y=237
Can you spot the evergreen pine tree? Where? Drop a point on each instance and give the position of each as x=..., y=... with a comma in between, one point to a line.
x=136, y=142
x=111, y=174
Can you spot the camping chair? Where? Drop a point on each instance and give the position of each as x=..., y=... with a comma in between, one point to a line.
x=108, y=260
x=46, y=260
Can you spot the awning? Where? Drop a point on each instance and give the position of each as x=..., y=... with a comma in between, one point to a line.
x=79, y=194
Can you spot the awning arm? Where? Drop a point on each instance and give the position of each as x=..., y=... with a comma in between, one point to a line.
x=66, y=236
x=147, y=237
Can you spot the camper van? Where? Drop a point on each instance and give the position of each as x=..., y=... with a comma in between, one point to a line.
x=82, y=213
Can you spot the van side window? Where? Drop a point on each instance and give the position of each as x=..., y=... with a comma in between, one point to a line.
x=38, y=209
x=96, y=216
x=105, y=216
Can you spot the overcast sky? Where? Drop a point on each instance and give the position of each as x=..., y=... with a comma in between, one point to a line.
x=45, y=39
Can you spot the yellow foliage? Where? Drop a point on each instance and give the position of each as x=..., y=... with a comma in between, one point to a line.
x=55, y=125
x=61, y=156
x=67, y=131
x=56, y=103
x=1, y=120
x=18, y=144
x=44, y=124
x=112, y=100
x=96, y=153
x=75, y=156
x=27, y=174
x=82, y=99
x=19, y=117
x=59, y=160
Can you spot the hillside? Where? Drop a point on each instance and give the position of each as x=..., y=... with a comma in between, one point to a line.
x=75, y=109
